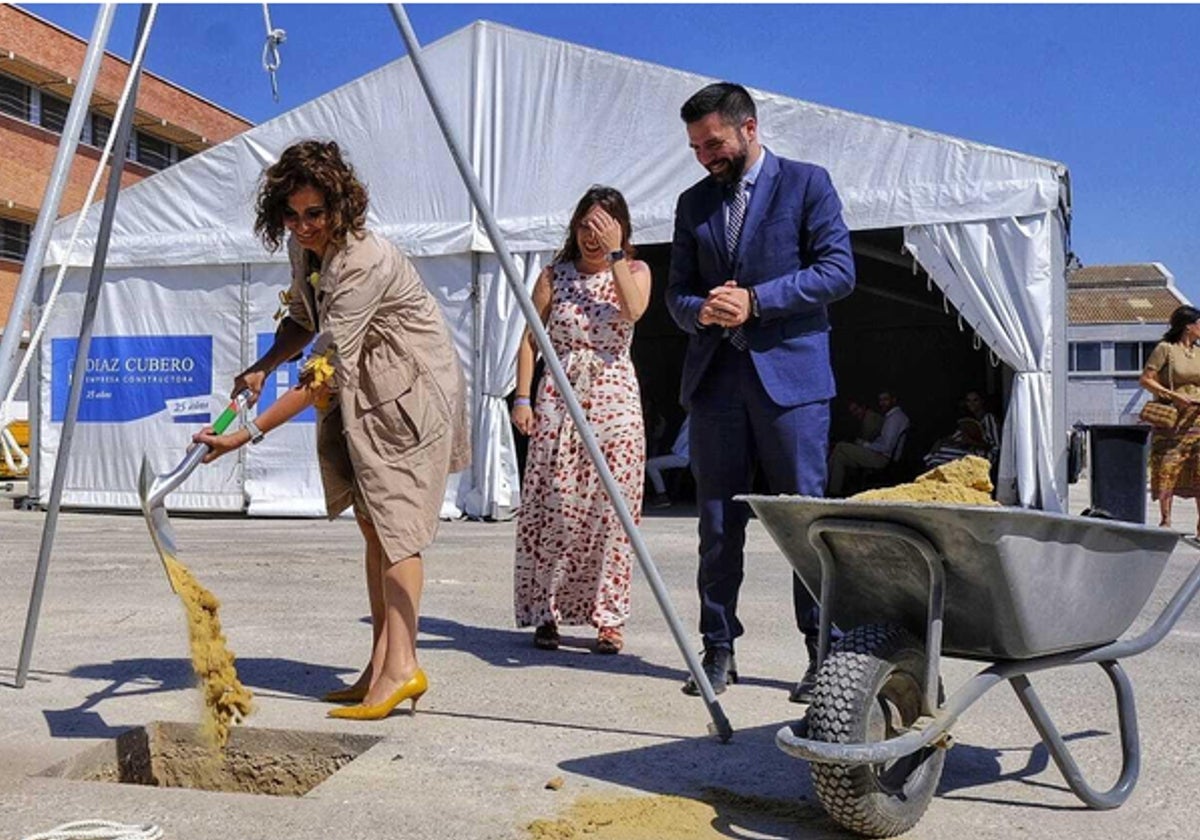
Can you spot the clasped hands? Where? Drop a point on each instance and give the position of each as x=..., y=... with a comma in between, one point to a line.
x=727, y=305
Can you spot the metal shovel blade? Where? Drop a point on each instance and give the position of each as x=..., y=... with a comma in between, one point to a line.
x=153, y=488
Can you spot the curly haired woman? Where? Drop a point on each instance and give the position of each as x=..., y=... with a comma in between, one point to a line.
x=389, y=393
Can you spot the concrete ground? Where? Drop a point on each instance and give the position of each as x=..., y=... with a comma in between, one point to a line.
x=501, y=718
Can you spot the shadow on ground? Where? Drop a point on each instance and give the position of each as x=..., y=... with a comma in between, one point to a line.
x=135, y=677
x=505, y=648
x=757, y=790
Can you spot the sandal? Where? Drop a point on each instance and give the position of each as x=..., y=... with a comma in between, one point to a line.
x=545, y=637
x=609, y=640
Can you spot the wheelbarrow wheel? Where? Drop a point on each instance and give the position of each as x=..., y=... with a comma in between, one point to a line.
x=870, y=689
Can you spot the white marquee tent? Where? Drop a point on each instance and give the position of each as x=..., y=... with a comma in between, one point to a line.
x=190, y=294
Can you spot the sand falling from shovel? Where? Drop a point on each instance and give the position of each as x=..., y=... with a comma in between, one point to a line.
x=226, y=700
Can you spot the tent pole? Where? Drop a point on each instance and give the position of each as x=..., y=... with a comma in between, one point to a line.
x=79, y=372
x=10, y=342
x=720, y=723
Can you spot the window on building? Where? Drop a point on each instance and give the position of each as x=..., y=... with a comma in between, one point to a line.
x=14, y=239
x=101, y=128
x=1085, y=356
x=53, y=113
x=152, y=152
x=1127, y=356
x=16, y=98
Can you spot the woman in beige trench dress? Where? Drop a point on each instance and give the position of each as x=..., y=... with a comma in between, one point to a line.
x=385, y=379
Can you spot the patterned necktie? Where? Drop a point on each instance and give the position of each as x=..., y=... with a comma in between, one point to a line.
x=737, y=215
x=733, y=231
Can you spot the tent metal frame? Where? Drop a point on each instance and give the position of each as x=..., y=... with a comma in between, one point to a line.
x=96, y=279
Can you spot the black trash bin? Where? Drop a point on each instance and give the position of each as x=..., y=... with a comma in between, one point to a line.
x=1117, y=478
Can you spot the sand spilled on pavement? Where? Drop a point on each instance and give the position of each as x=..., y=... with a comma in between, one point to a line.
x=718, y=813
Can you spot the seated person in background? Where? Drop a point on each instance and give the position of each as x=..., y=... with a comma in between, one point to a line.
x=977, y=434
x=870, y=423
x=676, y=459
x=868, y=455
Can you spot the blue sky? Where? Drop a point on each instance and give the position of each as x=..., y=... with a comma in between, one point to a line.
x=1108, y=90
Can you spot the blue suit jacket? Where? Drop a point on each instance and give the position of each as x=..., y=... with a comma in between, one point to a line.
x=794, y=250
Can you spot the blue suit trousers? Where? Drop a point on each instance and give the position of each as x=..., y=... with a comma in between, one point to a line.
x=737, y=429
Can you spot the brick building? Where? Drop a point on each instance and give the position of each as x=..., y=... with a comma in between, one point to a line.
x=39, y=63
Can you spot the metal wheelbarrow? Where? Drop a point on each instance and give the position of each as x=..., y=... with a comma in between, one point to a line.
x=911, y=582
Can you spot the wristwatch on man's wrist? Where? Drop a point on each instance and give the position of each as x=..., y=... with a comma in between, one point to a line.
x=754, y=311
x=616, y=255
x=256, y=434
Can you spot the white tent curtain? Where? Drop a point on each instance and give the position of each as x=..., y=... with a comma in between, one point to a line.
x=999, y=274
x=495, y=490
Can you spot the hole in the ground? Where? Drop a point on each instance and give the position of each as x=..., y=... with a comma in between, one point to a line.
x=276, y=762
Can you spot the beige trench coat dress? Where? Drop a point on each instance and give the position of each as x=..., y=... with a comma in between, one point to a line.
x=397, y=425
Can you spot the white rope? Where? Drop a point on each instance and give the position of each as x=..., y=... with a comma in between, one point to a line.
x=99, y=830
x=122, y=103
x=270, y=53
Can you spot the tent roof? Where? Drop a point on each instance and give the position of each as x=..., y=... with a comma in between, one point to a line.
x=542, y=120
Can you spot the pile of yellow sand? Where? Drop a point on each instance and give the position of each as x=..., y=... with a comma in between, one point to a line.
x=226, y=700
x=716, y=814
x=962, y=482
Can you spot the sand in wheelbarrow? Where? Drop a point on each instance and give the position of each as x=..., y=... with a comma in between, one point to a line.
x=226, y=700
x=962, y=482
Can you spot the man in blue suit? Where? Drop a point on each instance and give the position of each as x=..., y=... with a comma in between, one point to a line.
x=760, y=250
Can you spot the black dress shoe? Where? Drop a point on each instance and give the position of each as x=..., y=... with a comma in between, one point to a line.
x=721, y=669
x=802, y=692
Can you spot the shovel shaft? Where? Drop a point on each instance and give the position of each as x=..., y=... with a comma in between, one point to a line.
x=160, y=486
x=231, y=411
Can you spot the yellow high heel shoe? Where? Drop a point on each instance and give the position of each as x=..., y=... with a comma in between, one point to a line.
x=349, y=694
x=416, y=686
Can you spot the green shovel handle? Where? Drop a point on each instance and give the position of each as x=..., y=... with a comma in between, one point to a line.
x=231, y=411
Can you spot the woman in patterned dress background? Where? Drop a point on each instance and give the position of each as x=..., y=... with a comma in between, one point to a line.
x=574, y=561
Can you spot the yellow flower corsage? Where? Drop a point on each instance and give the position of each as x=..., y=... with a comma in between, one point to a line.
x=317, y=376
x=314, y=279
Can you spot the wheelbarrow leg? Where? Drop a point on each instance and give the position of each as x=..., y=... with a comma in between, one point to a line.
x=1131, y=750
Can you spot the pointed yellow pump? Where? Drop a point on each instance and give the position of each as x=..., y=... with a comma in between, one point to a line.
x=416, y=686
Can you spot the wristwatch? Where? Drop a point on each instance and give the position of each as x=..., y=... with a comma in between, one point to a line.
x=754, y=311
x=613, y=256
x=256, y=434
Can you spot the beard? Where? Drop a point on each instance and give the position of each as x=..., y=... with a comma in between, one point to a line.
x=732, y=173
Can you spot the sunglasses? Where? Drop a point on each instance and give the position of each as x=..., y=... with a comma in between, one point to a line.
x=310, y=214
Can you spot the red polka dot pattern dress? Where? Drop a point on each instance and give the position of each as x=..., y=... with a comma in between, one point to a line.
x=573, y=558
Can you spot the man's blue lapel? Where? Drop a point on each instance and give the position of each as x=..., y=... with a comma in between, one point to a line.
x=760, y=199
x=715, y=201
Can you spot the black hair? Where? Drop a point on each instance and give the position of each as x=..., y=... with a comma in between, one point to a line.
x=732, y=102
x=1181, y=319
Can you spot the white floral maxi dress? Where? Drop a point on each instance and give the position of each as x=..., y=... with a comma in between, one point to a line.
x=573, y=558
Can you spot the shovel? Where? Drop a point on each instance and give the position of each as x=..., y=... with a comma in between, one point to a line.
x=153, y=489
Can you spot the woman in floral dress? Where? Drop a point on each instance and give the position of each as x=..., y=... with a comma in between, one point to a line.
x=574, y=561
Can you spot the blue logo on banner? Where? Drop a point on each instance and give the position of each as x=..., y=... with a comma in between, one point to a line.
x=286, y=376
x=133, y=376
